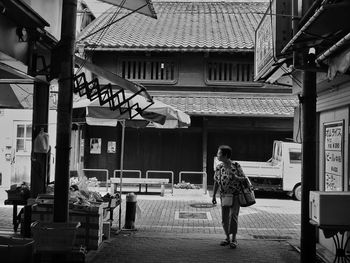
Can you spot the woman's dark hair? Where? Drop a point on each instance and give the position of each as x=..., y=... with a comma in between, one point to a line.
x=226, y=150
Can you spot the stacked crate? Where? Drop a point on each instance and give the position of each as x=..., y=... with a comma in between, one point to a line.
x=90, y=232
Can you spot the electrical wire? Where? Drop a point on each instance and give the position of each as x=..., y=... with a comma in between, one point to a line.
x=100, y=37
x=111, y=23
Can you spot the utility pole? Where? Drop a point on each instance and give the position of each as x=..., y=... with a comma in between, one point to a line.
x=40, y=117
x=64, y=110
x=308, y=170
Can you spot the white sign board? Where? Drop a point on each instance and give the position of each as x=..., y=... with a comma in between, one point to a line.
x=333, y=154
x=264, y=44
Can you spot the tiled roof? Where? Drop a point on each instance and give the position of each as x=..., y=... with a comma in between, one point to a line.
x=232, y=105
x=180, y=25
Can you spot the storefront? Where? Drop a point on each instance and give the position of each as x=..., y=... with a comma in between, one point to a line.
x=333, y=131
x=328, y=41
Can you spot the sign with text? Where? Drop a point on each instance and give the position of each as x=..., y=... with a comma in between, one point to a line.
x=333, y=156
x=263, y=42
x=272, y=34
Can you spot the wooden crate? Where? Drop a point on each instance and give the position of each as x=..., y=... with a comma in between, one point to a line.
x=90, y=232
x=106, y=230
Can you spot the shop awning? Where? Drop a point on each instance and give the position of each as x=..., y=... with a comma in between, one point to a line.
x=22, y=14
x=141, y=6
x=8, y=98
x=159, y=113
x=327, y=25
x=11, y=75
x=114, y=78
x=279, y=73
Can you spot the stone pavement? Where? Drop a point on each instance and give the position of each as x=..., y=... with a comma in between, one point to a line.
x=184, y=227
x=139, y=247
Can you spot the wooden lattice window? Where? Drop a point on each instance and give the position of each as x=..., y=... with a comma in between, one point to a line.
x=219, y=71
x=151, y=70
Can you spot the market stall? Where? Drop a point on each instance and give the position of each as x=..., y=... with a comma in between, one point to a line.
x=93, y=211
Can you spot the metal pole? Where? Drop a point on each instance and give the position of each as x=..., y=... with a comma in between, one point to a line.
x=308, y=172
x=64, y=110
x=122, y=122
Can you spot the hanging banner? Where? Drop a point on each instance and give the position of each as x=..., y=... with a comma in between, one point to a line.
x=333, y=156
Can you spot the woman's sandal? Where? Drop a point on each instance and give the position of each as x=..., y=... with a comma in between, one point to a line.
x=233, y=244
x=225, y=242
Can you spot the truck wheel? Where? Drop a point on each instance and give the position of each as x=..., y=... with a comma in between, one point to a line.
x=297, y=192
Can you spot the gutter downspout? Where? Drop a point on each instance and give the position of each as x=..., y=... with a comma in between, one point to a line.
x=333, y=48
x=303, y=29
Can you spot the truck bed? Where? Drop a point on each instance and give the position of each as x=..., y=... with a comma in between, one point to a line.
x=261, y=169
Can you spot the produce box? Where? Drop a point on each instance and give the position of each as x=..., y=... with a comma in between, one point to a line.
x=89, y=234
x=54, y=236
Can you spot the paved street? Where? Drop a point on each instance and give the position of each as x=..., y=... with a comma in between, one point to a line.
x=268, y=219
x=184, y=226
x=174, y=229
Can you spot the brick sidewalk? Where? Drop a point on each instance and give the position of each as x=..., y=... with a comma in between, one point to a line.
x=266, y=231
x=268, y=219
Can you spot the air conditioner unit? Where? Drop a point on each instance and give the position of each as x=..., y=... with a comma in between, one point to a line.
x=330, y=208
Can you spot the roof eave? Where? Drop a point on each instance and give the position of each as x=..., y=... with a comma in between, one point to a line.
x=169, y=49
x=23, y=14
x=216, y=114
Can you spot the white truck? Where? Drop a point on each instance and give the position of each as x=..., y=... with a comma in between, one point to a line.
x=280, y=173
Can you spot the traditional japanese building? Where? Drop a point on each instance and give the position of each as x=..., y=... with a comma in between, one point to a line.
x=198, y=57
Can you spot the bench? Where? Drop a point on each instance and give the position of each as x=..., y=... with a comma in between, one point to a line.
x=139, y=181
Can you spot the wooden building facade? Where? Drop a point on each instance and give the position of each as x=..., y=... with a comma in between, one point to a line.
x=202, y=66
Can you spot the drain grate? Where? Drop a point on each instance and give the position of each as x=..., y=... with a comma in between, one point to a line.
x=193, y=215
x=271, y=237
x=202, y=205
x=189, y=215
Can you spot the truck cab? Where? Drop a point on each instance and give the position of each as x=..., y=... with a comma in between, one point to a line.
x=282, y=172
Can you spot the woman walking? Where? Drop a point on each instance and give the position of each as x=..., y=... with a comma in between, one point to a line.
x=227, y=178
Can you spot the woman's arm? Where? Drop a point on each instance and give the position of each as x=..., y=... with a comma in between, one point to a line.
x=215, y=189
x=241, y=176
